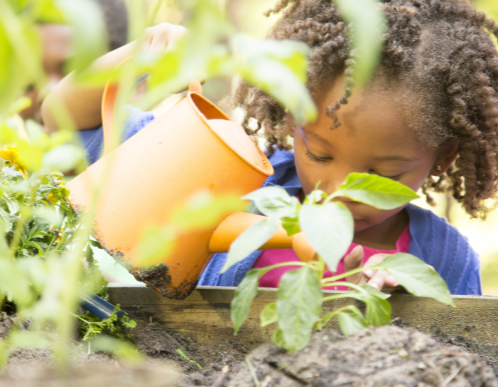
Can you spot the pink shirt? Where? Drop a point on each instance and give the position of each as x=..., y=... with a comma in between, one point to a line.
x=273, y=257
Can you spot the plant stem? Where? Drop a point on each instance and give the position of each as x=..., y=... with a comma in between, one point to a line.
x=336, y=297
x=253, y=373
x=283, y=264
x=328, y=316
x=16, y=239
x=351, y=272
x=65, y=319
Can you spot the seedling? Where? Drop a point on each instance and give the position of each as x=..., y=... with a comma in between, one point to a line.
x=328, y=227
x=182, y=354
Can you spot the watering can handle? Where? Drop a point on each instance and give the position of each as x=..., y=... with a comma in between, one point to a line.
x=109, y=100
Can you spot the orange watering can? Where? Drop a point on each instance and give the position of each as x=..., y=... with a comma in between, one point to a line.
x=191, y=147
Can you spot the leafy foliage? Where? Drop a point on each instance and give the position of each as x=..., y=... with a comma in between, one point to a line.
x=244, y=294
x=328, y=227
x=91, y=326
x=38, y=228
x=298, y=306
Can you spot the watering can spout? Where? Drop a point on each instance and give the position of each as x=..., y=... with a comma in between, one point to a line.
x=234, y=225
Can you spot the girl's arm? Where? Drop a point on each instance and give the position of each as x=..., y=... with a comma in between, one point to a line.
x=84, y=103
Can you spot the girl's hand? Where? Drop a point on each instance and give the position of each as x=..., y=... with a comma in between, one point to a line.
x=379, y=279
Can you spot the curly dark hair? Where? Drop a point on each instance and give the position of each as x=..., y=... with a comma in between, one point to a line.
x=439, y=48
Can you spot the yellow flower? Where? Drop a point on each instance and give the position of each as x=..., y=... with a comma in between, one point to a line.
x=60, y=234
x=52, y=198
x=11, y=159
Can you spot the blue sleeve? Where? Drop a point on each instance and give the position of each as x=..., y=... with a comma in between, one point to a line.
x=93, y=139
x=440, y=245
x=472, y=279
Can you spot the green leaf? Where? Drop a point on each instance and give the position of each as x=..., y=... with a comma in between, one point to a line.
x=315, y=196
x=127, y=322
x=244, y=294
x=329, y=230
x=89, y=38
x=352, y=322
x=279, y=69
x=369, y=25
x=378, y=311
x=63, y=158
x=96, y=244
x=376, y=191
x=20, y=104
x=377, y=293
x=14, y=283
x=274, y=201
x=299, y=302
x=5, y=223
x=417, y=277
x=204, y=210
x=269, y=314
x=30, y=155
x=47, y=12
x=278, y=338
x=250, y=240
x=50, y=215
x=155, y=244
x=291, y=225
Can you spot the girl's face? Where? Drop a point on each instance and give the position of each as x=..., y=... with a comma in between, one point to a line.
x=374, y=137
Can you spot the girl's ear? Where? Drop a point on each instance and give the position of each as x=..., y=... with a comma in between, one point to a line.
x=445, y=159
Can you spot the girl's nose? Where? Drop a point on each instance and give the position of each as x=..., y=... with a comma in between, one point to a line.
x=335, y=181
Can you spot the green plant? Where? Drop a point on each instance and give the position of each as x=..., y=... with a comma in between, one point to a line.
x=39, y=225
x=328, y=227
x=182, y=354
x=113, y=325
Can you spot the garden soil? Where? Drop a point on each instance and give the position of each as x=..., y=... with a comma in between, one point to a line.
x=388, y=356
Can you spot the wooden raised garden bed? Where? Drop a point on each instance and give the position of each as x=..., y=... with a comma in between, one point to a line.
x=204, y=316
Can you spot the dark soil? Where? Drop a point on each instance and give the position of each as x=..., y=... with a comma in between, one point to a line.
x=159, y=343
x=487, y=354
x=387, y=356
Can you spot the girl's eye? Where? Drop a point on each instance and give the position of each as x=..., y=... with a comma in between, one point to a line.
x=395, y=178
x=317, y=159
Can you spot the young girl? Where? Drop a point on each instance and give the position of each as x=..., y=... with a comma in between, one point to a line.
x=428, y=119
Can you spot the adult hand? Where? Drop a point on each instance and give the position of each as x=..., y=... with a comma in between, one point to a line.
x=161, y=38
x=84, y=103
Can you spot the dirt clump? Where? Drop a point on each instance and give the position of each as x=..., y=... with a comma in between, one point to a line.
x=487, y=353
x=385, y=356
